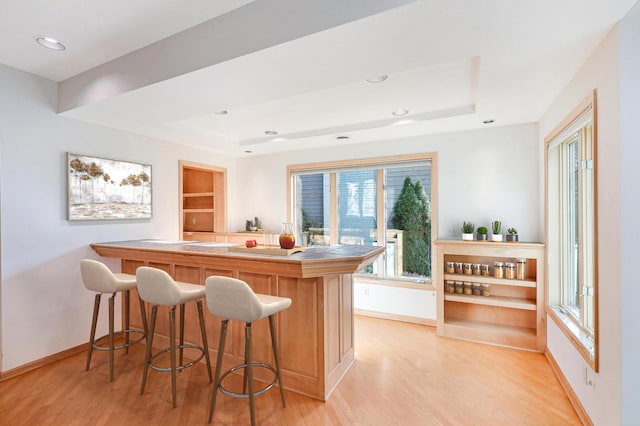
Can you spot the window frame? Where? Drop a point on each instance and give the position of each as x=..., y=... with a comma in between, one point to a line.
x=575, y=324
x=379, y=163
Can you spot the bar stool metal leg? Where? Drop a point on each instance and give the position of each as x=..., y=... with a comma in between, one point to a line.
x=172, y=346
x=205, y=344
x=147, y=358
x=181, y=332
x=94, y=322
x=274, y=342
x=223, y=335
x=143, y=314
x=111, y=342
x=126, y=320
x=249, y=361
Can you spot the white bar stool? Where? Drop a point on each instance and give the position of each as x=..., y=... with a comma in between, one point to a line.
x=158, y=288
x=97, y=277
x=233, y=299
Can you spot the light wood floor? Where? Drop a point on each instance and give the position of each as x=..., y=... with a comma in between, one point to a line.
x=404, y=375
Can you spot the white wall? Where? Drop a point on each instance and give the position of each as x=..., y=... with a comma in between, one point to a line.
x=600, y=72
x=629, y=214
x=399, y=301
x=45, y=308
x=484, y=175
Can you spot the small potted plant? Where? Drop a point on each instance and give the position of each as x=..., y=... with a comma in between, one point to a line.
x=467, y=231
x=512, y=235
x=495, y=227
x=482, y=233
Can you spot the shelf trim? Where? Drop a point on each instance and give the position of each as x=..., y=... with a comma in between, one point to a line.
x=197, y=194
x=490, y=327
x=499, y=301
x=490, y=280
x=199, y=210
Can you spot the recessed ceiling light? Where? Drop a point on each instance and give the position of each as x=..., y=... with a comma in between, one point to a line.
x=342, y=137
x=248, y=152
x=377, y=79
x=400, y=112
x=270, y=132
x=49, y=43
x=491, y=120
x=221, y=112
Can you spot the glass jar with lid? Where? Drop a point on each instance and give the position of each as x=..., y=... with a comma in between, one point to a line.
x=510, y=270
x=485, y=270
x=477, y=269
x=468, y=288
x=486, y=290
x=477, y=289
x=467, y=268
x=450, y=286
x=498, y=269
x=521, y=269
x=458, y=267
x=459, y=288
x=451, y=268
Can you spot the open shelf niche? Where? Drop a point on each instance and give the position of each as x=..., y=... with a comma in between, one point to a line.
x=513, y=313
x=202, y=201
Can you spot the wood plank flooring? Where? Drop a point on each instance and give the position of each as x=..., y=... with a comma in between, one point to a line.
x=404, y=375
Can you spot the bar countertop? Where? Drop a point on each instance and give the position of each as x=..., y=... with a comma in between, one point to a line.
x=315, y=261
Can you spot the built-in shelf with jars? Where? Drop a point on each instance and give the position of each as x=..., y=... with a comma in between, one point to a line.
x=202, y=201
x=491, y=292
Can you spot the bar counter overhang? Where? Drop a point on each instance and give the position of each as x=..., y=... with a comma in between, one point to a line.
x=315, y=335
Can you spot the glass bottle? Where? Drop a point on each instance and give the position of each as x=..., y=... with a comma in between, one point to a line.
x=521, y=269
x=287, y=237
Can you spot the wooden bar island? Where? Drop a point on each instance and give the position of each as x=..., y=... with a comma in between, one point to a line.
x=315, y=335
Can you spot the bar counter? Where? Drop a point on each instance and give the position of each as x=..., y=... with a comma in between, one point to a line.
x=315, y=335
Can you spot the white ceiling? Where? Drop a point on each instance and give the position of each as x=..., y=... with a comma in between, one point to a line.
x=163, y=67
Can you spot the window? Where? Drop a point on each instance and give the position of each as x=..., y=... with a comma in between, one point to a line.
x=384, y=201
x=571, y=190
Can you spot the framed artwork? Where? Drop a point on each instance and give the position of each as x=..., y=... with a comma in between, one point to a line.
x=104, y=189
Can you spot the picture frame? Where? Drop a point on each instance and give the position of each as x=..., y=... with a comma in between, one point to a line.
x=106, y=189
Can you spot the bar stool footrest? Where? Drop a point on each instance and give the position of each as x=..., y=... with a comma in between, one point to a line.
x=122, y=346
x=246, y=395
x=178, y=367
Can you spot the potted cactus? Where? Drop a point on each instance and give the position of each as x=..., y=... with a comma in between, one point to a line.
x=482, y=233
x=495, y=227
x=512, y=235
x=467, y=231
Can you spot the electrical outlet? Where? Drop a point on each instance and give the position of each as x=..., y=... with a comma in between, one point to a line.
x=366, y=291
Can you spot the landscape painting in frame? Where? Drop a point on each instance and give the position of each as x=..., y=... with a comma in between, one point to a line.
x=103, y=189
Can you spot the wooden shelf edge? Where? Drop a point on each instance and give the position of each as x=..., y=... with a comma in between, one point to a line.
x=197, y=194
x=199, y=210
x=490, y=280
x=490, y=327
x=499, y=301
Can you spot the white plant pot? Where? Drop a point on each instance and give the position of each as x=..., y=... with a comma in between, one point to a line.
x=496, y=237
x=467, y=237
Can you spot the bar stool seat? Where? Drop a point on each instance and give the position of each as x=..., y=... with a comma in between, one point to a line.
x=156, y=287
x=233, y=299
x=97, y=277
